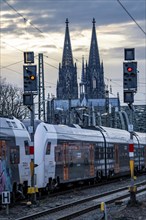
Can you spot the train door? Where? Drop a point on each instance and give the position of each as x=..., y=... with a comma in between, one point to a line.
x=91, y=160
x=76, y=154
x=65, y=162
x=144, y=153
x=86, y=159
x=142, y=157
x=137, y=153
x=49, y=162
x=61, y=161
x=80, y=160
x=116, y=166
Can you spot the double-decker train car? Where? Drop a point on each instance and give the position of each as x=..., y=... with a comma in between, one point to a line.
x=65, y=154
x=139, y=151
x=14, y=156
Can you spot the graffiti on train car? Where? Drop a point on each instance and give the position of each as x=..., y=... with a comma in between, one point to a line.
x=5, y=172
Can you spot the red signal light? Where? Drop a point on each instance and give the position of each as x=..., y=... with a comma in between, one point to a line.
x=129, y=69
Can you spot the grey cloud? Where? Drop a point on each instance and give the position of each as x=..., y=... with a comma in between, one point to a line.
x=80, y=13
x=118, y=52
x=49, y=46
x=81, y=49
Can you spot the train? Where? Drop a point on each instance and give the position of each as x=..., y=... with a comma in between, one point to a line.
x=64, y=154
x=14, y=156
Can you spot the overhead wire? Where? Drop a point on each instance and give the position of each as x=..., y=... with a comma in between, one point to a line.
x=3, y=67
x=26, y=20
x=133, y=20
x=13, y=70
x=131, y=17
x=12, y=46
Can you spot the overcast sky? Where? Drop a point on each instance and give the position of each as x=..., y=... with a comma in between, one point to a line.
x=39, y=26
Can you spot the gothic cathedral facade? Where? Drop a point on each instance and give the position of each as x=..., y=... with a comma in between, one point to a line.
x=92, y=79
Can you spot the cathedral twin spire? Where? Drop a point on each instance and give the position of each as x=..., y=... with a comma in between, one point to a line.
x=67, y=58
x=94, y=59
x=92, y=79
x=67, y=86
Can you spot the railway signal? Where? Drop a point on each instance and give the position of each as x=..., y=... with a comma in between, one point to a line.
x=130, y=87
x=30, y=89
x=128, y=97
x=130, y=75
x=28, y=99
x=30, y=78
x=28, y=57
x=129, y=53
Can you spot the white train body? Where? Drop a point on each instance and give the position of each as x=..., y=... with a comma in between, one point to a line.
x=67, y=154
x=14, y=155
x=64, y=154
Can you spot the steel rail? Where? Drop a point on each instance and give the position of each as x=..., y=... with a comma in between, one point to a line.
x=82, y=201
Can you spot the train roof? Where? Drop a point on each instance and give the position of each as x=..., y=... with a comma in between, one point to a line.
x=66, y=132
x=76, y=132
x=69, y=129
x=11, y=123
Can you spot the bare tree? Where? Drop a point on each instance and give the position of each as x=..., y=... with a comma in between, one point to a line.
x=11, y=101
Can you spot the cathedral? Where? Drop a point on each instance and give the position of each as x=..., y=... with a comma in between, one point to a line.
x=92, y=79
x=87, y=103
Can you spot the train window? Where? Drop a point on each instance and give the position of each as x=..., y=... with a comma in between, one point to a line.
x=26, y=145
x=99, y=144
x=97, y=150
x=58, y=153
x=14, y=155
x=48, y=148
x=70, y=159
x=14, y=124
x=102, y=150
x=110, y=145
x=2, y=149
x=9, y=124
x=45, y=128
x=142, y=152
x=126, y=154
x=125, y=147
x=22, y=126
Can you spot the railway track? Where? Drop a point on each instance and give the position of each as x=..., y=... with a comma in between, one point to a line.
x=86, y=205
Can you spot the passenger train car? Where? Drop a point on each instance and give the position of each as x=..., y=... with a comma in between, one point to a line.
x=14, y=156
x=64, y=154
x=67, y=154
